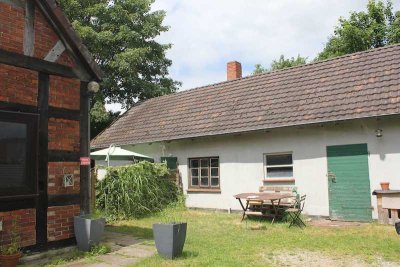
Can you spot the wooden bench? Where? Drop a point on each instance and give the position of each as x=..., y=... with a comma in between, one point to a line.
x=281, y=190
x=266, y=208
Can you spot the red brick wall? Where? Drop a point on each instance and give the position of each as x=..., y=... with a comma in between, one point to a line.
x=11, y=28
x=64, y=135
x=64, y=93
x=66, y=59
x=45, y=37
x=56, y=177
x=18, y=85
x=60, y=222
x=26, y=224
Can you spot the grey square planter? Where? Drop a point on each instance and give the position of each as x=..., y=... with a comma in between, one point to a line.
x=88, y=231
x=169, y=239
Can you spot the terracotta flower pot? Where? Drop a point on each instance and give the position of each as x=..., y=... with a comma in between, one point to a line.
x=10, y=260
x=385, y=185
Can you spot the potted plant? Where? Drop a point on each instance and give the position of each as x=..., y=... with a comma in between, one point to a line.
x=385, y=185
x=10, y=253
x=170, y=235
x=88, y=230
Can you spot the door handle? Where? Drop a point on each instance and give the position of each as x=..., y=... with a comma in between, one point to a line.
x=331, y=176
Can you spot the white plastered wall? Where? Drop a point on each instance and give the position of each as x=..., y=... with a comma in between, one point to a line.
x=241, y=159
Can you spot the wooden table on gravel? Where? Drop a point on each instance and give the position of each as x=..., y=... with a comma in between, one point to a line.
x=274, y=198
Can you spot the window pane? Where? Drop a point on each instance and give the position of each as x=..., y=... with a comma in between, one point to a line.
x=280, y=172
x=194, y=163
x=214, y=172
x=214, y=162
x=195, y=172
x=204, y=181
x=204, y=172
x=204, y=163
x=195, y=181
x=284, y=159
x=214, y=181
x=13, y=156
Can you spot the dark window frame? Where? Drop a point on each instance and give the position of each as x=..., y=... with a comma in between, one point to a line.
x=31, y=121
x=266, y=166
x=210, y=177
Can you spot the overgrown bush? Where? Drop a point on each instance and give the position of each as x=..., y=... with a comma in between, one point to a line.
x=136, y=190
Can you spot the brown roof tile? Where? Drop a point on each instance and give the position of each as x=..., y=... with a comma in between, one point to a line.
x=364, y=84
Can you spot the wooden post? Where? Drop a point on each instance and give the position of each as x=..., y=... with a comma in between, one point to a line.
x=42, y=200
x=84, y=149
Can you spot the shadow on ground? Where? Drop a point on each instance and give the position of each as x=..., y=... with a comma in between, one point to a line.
x=138, y=232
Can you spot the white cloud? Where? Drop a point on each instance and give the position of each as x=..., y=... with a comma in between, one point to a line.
x=208, y=33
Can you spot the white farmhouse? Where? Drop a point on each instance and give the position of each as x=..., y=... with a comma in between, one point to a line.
x=330, y=128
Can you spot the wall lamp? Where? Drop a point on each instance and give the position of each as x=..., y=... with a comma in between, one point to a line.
x=379, y=133
x=93, y=87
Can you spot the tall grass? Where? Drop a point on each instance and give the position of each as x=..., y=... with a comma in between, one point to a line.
x=135, y=191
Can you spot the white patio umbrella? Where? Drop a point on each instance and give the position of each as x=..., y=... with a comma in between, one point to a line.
x=116, y=152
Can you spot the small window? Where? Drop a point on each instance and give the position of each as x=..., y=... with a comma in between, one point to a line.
x=278, y=166
x=204, y=173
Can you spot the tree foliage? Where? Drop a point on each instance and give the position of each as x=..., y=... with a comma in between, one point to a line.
x=281, y=63
x=121, y=34
x=100, y=118
x=377, y=27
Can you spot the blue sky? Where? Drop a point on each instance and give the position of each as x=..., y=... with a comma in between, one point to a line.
x=206, y=34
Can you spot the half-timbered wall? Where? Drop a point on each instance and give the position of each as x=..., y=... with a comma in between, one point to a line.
x=37, y=75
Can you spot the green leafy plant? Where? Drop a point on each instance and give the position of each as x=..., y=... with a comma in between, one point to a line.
x=13, y=246
x=174, y=212
x=135, y=191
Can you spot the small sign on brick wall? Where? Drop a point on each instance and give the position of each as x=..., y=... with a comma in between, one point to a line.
x=85, y=161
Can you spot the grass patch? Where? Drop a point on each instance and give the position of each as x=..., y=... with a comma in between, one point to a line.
x=220, y=239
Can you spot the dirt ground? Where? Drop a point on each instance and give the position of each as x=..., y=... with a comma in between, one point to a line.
x=317, y=259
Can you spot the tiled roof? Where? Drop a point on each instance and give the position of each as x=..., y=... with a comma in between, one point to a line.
x=364, y=84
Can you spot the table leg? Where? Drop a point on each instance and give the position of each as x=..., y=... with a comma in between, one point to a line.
x=275, y=209
x=243, y=208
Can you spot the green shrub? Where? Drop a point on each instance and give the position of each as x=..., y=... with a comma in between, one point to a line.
x=135, y=191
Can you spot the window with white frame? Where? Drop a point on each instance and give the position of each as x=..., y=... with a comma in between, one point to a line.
x=278, y=166
x=204, y=172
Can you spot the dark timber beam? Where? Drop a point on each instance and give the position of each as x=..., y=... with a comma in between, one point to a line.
x=29, y=29
x=42, y=200
x=85, y=142
x=40, y=65
x=63, y=200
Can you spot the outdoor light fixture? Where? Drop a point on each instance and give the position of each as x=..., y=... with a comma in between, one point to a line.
x=93, y=87
x=378, y=133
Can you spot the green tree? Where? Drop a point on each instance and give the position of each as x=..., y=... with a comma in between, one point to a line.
x=100, y=118
x=377, y=27
x=121, y=34
x=281, y=63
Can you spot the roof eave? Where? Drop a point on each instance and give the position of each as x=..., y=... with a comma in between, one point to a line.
x=246, y=131
x=59, y=18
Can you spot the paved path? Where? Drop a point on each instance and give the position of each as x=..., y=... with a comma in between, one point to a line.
x=125, y=250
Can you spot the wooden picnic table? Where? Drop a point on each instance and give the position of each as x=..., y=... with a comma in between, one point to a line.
x=273, y=198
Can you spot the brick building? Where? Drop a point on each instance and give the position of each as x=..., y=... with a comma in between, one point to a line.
x=45, y=71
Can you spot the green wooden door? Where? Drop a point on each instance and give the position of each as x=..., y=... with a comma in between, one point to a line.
x=349, y=189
